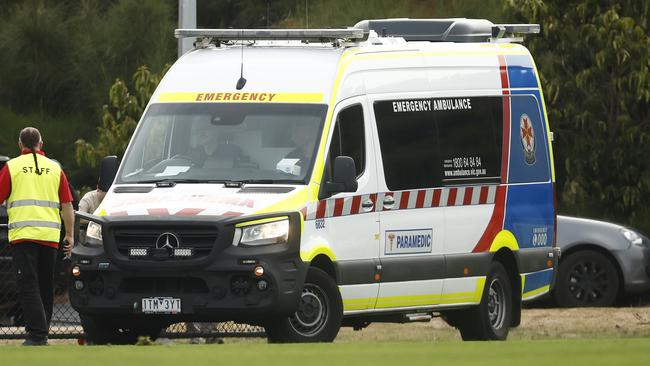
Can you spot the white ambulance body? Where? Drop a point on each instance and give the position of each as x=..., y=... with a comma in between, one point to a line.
x=305, y=185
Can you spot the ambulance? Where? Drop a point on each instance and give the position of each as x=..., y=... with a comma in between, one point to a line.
x=308, y=179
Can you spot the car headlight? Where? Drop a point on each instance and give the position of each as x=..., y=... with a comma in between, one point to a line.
x=275, y=232
x=632, y=236
x=94, y=231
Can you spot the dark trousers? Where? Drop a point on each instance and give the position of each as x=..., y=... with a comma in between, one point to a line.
x=34, y=265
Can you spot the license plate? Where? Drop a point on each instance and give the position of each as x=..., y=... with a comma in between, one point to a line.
x=161, y=305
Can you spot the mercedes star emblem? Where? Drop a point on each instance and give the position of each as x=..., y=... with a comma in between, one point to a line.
x=167, y=240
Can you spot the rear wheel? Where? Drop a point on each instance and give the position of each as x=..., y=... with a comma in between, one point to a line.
x=586, y=278
x=318, y=317
x=100, y=330
x=491, y=319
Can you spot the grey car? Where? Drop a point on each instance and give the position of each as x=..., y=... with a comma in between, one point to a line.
x=600, y=262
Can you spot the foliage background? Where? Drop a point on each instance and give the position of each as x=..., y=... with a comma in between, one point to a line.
x=74, y=69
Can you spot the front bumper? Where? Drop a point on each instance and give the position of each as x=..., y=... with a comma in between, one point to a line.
x=218, y=286
x=635, y=266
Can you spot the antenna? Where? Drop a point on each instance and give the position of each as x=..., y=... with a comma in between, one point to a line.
x=242, y=81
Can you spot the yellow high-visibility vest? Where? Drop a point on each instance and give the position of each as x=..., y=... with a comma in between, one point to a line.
x=33, y=205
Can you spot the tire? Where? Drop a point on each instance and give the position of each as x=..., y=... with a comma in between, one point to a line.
x=586, y=278
x=491, y=319
x=319, y=314
x=101, y=330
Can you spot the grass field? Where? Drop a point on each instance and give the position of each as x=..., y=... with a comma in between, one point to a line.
x=608, y=352
x=556, y=337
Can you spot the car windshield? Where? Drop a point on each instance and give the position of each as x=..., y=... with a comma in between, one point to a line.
x=218, y=142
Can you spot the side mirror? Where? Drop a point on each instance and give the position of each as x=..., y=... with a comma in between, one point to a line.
x=344, y=177
x=108, y=172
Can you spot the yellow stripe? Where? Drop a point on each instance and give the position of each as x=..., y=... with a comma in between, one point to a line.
x=239, y=97
x=548, y=128
x=504, y=239
x=261, y=221
x=344, y=63
x=538, y=291
x=307, y=256
x=419, y=300
x=294, y=202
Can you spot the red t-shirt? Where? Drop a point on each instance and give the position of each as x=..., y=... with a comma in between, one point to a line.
x=65, y=196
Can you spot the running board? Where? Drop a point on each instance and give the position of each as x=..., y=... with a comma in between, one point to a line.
x=419, y=317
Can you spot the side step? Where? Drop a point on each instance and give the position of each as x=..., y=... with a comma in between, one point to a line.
x=418, y=317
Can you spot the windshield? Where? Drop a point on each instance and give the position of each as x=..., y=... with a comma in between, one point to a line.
x=214, y=142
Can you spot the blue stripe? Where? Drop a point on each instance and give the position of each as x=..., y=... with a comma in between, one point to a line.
x=521, y=72
x=539, y=279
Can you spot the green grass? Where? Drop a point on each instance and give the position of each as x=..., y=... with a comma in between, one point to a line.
x=557, y=352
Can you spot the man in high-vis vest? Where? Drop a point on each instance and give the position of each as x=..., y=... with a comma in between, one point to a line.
x=37, y=195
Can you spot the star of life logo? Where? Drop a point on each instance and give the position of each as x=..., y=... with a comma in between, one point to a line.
x=527, y=135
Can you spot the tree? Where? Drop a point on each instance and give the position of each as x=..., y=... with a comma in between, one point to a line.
x=119, y=117
x=593, y=58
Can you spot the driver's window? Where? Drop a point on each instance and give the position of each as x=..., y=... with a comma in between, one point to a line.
x=348, y=139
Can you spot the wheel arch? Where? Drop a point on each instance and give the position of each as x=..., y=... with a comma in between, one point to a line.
x=324, y=263
x=507, y=258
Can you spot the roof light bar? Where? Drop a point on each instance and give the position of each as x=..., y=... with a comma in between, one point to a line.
x=274, y=34
x=509, y=30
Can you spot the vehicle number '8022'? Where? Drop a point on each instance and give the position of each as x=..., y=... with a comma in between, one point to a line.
x=540, y=237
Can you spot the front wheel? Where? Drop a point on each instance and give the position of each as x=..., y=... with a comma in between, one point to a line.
x=318, y=317
x=491, y=319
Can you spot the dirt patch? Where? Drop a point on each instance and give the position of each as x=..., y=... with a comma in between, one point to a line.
x=535, y=324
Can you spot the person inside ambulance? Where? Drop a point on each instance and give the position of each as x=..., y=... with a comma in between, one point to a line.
x=297, y=160
x=213, y=147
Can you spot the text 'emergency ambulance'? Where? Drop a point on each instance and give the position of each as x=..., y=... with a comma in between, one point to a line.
x=432, y=105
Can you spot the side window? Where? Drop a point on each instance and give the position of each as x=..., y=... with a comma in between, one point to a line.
x=348, y=139
x=407, y=139
x=440, y=141
x=470, y=142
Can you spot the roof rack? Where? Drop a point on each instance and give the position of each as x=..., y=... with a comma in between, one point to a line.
x=448, y=30
x=314, y=35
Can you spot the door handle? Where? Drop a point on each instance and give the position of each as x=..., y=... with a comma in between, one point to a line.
x=367, y=205
x=389, y=201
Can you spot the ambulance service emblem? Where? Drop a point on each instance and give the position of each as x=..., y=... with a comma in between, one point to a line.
x=527, y=135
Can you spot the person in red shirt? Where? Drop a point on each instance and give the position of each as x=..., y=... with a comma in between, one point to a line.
x=30, y=190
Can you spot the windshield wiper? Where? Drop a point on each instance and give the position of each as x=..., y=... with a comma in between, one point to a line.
x=172, y=182
x=240, y=183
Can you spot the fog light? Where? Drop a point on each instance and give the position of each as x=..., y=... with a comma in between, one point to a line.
x=183, y=252
x=258, y=271
x=262, y=285
x=78, y=285
x=76, y=271
x=138, y=252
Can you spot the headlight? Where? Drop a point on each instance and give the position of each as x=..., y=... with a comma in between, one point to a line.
x=276, y=232
x=94, y=231
x=632, y=236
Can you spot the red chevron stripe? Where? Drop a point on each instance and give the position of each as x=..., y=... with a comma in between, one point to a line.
x=419, y=201
x=467, y=199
